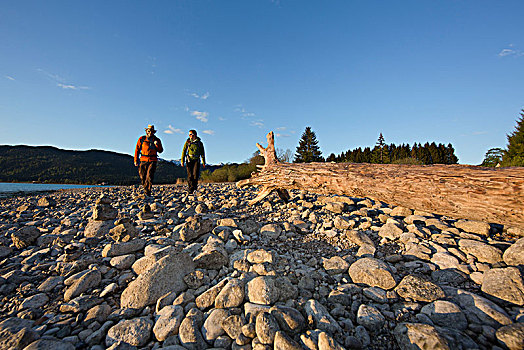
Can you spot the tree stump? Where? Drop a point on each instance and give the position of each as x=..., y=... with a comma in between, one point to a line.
x=494, y=195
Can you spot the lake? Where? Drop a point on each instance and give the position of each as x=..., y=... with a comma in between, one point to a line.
x=7, y=188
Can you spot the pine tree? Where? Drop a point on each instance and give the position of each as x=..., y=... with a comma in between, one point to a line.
x=380, y=152
x=493, y=157
x=308, y=150
x=514, y=156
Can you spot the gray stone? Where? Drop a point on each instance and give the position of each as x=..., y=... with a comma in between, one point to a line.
x=266, y=327
x=136, y=331
x=16, y=333
x=145, y=262
x=505, y=283
x=262, y=290
x=260, y=256
x=321, y=317
x=511, y=336
x=482, y=251
x=50, y=344
x=122, y=262
x=98, y=313
x=514, y=255
x=327, y=342
x=81, y=282
x=419, y=289
x=116, y=249
x=343, y=223
x=98, y=228
x=34, y=302
x=123, y=232
x=478, y=227
x=335, y=265
x=232, y=325
x=485, y=310
x=283, y=341
x=416, y=336
x=212, y=327
x=25, y=236
x=206, y=299
x=270, y=231
x=336, y=207
x=372, y=272
x=445, y=261
x=446, y=314
x=370, y=317
x=288, y=318
x=195, y=228
x=189, y=333
x=232, y=295
x=169, y=321
x=390, y=231
x=165, y=276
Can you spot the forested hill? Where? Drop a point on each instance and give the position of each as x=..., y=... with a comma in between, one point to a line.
x=54, y=165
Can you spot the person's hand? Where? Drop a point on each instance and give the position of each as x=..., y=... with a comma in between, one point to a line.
x=182, y=163
x=136, y=164
x=203, y=165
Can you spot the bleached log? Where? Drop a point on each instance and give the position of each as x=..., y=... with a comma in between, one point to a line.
x=494, y=195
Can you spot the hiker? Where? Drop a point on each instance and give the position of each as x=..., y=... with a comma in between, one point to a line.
x=146, y=151
x=191, y=154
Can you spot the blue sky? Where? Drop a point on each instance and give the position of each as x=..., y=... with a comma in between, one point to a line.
x=93, y=74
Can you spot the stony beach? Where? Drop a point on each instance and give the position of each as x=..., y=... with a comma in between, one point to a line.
x=107, y=268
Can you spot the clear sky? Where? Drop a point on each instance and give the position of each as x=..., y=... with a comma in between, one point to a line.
x=93, y=74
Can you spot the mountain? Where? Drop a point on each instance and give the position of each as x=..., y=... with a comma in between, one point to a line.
x=53, y=165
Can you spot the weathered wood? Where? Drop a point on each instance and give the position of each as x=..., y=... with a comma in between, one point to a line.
x=494, y=195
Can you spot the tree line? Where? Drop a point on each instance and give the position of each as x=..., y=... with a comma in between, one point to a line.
x=513, y=155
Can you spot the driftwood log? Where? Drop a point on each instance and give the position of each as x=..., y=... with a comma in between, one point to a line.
x=494, y=195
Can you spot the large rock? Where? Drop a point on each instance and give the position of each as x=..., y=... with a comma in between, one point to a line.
x=514, y=255
x=335, y=265
x=321, y=317
x=505, y=283
x=145, y=262
x=169, y=321
x=98, y=228
x=270, y=231
x=232, y=295
x=124, y=231
x=213, y=255
x=116, y=249
x=416, y=336
x=370, y=317
x=262, y=290
x=478, y=227
x=482, y=251
x=189, y=332
x=136, y=332
x=164, y=277
x=446, y=314
x=16, y=333
x=50, y=344
x=390, y=231
x=419, y=289
x=212, y=327
x=288, y=318
x=511, y=336
x=46, y=202
x=206, y=299
x=25, y=237
x=486, y=311
x=195, y=228
x=81, y=282
x=266, y=327
x=372, y=272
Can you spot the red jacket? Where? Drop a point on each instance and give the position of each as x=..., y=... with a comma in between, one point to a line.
x=146, y=150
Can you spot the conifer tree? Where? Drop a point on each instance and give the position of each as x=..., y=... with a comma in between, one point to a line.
x=308, y=150
x=514, y=155
x=493, y=157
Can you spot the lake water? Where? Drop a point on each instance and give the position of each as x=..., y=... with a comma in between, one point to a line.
x=7, y=189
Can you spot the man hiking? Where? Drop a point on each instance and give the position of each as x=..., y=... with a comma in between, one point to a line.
x=191, y=154
x=146, y=158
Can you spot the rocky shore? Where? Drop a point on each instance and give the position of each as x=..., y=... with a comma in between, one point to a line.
x=105, y=268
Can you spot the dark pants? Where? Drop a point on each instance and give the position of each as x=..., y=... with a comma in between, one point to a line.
x=147, y=172
x=193, y=172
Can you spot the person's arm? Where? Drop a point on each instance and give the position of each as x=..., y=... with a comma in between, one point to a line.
x=184, y=150
x=137, y=152
x=203, y=154
x=158, y=145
